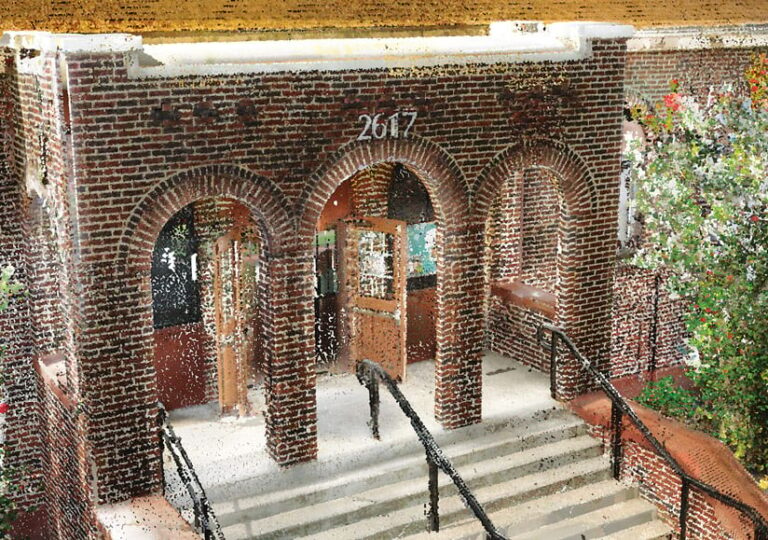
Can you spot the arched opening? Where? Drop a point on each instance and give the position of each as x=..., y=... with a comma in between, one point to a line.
x=525, y=231
x=357, y=263
x=210, y=303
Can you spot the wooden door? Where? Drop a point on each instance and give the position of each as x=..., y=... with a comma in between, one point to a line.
x=231, y=340
x=372, y=292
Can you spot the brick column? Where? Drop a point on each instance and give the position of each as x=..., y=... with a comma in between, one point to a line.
x=458, y=368
x=290, y=378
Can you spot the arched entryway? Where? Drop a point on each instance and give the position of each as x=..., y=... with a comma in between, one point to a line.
x=536, y=200
x=268, y=207
x=458, y=244
x=211, y=307
x=390, y=201
x=524, y=236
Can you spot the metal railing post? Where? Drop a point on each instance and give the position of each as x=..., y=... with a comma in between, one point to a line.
x=374, y=401
x=617, y=418
x=433, y=515
x=162, y=416
x=368, y=380
x=684, y=494
x=553, y=367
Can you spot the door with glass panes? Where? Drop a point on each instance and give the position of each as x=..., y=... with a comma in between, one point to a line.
x=372, y=292
x=231, y=339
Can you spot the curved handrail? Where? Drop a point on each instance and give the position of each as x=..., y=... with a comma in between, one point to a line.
x=369, y=373
x=620, y=404
x=205, y=518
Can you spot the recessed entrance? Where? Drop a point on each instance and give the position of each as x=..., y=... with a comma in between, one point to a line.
x=210, y=303
x=376, y=272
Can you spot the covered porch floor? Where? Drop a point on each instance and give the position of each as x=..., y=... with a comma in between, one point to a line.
x=230, y=456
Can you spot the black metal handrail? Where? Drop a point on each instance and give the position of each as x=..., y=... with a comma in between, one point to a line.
x=619, y=408
x=369, y=373
x=205, y=518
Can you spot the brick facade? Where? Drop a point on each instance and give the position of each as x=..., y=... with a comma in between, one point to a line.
x=699, y=455
x=120, y=155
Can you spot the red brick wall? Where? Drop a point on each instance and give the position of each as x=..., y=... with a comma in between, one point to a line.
x=540, y=230
x=370, y=190
x=660, y=485
x=512, y=333
x=503, y=231
x=67, y=482
x=641, y=302
x=649, y=73
x=134, y=170
x=711, y=463
x=45, y=298
x=23, y=443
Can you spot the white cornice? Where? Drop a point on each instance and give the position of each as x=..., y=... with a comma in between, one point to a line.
x=506, y=41
x=692, y=38
x=71, y=43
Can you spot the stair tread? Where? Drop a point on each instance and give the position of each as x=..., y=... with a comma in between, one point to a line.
x=592, y=525
x=400, y=489
x=537, y=512
x=223, y=496
x=448, y=504
x=653, y=530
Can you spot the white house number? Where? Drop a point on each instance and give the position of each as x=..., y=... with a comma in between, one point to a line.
x=378, y=126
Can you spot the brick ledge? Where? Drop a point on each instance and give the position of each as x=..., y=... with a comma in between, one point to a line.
x=527, y=296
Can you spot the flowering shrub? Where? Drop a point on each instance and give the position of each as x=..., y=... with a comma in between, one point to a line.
x=8, y=288
x=702, y=182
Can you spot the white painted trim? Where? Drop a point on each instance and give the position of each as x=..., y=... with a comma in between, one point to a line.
x=686, y=39
x=507, y=41
x=71, y=43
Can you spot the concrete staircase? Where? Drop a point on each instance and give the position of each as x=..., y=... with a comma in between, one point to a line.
x=541, y=478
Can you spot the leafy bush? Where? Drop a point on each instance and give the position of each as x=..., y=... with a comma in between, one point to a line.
x=669, y=399
x=702, y=181
x=8, y=288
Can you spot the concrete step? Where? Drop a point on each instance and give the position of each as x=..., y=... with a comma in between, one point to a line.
x=231, y=507
x=412, y=520
x=539, y=512
x=654, y=530
x=617, y=518
x=542, y=477
x=394, y=510
x=386, y=450
x=384, y=498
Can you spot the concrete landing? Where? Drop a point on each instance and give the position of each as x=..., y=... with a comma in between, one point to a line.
x=227, y=451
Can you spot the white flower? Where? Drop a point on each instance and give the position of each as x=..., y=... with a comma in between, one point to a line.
x=693, y=359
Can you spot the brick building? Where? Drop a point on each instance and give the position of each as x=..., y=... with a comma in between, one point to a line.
x=495, y=151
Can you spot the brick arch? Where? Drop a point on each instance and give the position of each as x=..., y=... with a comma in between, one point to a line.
x=262, y=197
x=446, y=184
x=576, y=182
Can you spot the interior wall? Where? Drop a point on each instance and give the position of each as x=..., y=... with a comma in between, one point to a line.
x=539, y=225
